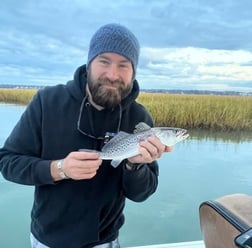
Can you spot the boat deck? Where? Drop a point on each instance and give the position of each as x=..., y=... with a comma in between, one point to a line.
x=191, y=244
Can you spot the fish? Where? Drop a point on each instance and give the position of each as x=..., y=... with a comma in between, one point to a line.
x=124, y=145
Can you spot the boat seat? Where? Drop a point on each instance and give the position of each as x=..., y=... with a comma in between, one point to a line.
x=224, y=218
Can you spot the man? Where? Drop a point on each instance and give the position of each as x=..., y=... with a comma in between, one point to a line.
x=79, y=199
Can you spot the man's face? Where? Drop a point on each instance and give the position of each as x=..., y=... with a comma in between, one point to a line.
x=110, y=79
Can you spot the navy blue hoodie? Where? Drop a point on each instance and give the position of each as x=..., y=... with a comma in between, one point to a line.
x=69, y=213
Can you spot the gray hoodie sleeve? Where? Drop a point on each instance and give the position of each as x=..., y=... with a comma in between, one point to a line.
x=138, y=185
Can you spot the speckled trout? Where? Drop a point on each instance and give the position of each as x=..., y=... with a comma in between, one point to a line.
x=125, y=145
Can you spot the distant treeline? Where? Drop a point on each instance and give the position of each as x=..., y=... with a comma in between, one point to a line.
x=199, y=92
x=20, y=86
x=205, y=112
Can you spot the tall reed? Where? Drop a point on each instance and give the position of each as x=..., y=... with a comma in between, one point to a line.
x=226, y=113
x=17, y=96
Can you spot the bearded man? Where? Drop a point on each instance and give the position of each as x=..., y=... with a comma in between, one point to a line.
x=79, y=199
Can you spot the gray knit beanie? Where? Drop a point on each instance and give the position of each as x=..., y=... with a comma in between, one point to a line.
x=117, y=39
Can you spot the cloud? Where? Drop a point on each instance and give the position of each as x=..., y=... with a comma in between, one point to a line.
x=196, y=68
x=185, y=44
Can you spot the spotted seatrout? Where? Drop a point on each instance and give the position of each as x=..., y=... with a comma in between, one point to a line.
x=125, y=145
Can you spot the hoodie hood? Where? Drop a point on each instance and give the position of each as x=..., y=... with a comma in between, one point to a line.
x=77, y=87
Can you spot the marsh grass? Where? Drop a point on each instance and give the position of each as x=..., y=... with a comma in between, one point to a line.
x=210, y=112
x=16, y=96
x=224, y=113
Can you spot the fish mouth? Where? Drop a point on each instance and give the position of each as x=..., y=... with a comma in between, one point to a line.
x=182, y=133
x=175, y=130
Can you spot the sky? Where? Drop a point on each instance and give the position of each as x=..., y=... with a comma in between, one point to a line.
x=188, y=45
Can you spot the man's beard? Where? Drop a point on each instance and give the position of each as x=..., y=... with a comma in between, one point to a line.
x=107, y=97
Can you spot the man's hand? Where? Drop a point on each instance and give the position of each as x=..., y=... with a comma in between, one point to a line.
x=150, y=150
x=77, y=166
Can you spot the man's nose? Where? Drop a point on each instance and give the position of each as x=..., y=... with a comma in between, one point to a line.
x=113, y=72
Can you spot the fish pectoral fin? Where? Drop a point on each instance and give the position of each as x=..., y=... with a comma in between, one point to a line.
x=141, y=126
x=115, y=163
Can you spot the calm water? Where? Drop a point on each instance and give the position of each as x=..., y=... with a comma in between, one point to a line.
x=204, y=167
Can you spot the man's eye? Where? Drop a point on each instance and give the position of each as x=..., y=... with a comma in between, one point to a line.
x=124, y=66
x=105, y=62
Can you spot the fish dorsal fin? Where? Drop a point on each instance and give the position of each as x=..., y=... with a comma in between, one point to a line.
x=140, y=127
x=114, y=141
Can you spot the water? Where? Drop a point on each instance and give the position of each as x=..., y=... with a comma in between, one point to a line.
x=204, y=167
x=196, y=171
